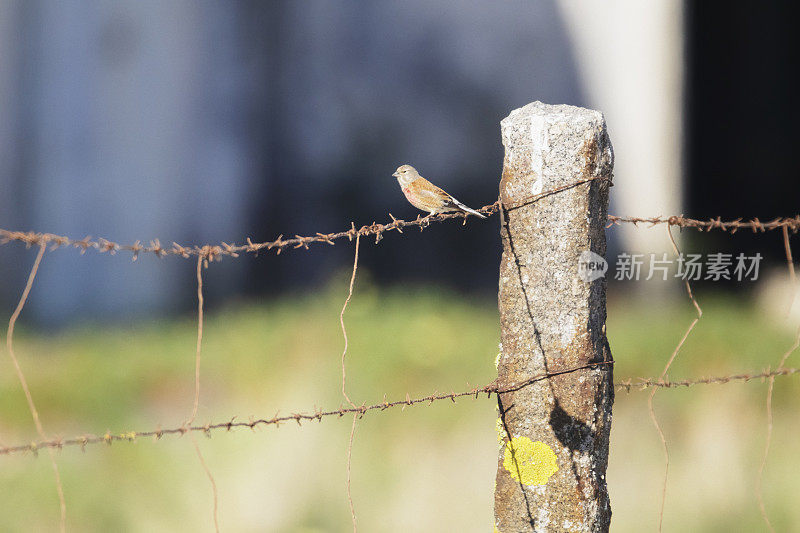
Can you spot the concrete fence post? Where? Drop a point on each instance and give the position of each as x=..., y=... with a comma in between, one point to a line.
x=552, y=299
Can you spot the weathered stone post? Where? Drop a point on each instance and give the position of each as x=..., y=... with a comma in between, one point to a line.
x=552, y=462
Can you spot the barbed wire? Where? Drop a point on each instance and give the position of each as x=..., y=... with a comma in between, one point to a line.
x=627, y=385
x=215, y=252
x=754, y=224
x=208, y=252
x=663, y=375
x=646, y=383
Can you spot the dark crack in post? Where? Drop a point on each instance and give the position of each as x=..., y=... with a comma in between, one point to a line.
x=552, y=299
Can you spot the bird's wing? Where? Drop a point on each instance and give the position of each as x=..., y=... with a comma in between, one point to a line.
x=428, y=197
x=426, y=189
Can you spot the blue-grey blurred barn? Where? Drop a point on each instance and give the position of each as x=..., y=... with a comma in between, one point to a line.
x=202, y=121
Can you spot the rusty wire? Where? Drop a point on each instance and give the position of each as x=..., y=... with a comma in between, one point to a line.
x=215, y=252
x=651, y=396
x=207, y=253
x=754, y=224
x=628, y=385
x=24, y=384
x=646, y=383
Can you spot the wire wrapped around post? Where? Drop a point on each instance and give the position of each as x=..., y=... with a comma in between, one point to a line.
x=554, y=434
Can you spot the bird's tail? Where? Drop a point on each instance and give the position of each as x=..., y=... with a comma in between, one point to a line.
x=464, y=208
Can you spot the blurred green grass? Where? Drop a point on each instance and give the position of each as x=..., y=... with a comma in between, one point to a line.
x=422, y=469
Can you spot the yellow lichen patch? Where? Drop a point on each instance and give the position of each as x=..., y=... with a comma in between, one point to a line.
x=496, y=530
x=531, y=463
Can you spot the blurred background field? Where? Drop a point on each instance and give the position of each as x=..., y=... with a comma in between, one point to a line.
x=201, y=122
x=428, y=468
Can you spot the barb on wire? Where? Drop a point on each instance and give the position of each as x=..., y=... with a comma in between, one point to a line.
x=632, y=384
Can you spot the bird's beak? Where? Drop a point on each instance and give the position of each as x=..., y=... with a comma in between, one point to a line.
x=396, y=175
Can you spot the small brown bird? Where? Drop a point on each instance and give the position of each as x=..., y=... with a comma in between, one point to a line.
x=425, y=195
